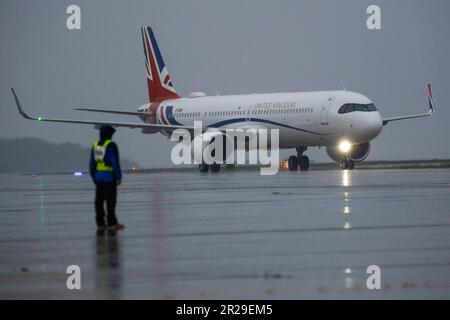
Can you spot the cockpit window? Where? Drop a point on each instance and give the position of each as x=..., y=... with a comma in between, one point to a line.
x=351, y=107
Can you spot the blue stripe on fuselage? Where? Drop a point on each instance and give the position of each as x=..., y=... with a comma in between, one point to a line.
x=237, y=120
x=170, y=117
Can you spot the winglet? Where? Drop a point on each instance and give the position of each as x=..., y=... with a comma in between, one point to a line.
x=432, y=107
x=431, y=110
x=19, y=106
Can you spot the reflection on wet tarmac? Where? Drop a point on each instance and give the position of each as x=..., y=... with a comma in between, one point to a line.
x=347, y=225
x=108, y=268
x=231, y=235
x=346, y=178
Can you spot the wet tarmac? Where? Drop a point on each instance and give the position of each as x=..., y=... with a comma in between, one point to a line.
x=232, y=235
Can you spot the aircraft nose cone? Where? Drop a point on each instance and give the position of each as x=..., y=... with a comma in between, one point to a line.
x=373, y=126
x=366, y=127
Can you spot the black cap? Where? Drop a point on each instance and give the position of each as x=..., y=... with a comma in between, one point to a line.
x=106, y=132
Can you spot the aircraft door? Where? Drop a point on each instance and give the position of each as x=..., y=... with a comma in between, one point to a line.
x=324, y=111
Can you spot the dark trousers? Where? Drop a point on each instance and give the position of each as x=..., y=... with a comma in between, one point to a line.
x=105, y=192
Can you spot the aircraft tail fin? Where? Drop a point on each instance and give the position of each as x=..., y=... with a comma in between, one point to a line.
x=159, y=82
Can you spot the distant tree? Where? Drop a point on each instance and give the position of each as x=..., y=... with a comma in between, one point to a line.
x=36, y=155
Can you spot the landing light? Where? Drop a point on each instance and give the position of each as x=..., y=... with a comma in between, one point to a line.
x=78, y=173
x=345, y=146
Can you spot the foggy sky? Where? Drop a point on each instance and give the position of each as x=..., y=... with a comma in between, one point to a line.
x=230, y=47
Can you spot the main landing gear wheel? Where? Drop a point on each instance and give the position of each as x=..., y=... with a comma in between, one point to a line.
x=293, y=163
x=215, y=167
x=347, y=164
x=304, y=163
x=204, y=168
x=299, y=160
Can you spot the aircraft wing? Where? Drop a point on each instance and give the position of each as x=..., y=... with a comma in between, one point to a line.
x=98, y=123
x=128, y=113
x=431, y=110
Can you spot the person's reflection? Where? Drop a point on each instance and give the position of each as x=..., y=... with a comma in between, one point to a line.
x=108, y=267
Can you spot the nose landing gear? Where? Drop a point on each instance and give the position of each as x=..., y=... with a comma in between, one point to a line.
x=347, y=164
x=299, y=160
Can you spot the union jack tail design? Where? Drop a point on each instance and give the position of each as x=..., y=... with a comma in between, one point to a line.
x=159, y=82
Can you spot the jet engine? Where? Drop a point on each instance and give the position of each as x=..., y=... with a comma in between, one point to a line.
x=207, y=144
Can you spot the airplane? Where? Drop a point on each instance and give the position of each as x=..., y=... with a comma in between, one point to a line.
x=343, y=122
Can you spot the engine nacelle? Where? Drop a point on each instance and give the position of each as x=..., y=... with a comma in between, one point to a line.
x=203, y=145
x=244, y=140
x=358, y=153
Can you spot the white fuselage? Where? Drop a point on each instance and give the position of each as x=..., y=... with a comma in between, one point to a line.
x=303, y=118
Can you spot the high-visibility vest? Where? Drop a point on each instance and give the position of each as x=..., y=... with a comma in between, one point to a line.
x=99, y=156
